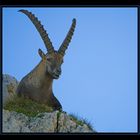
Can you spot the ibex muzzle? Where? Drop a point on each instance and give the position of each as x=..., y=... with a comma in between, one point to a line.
x=37, y=85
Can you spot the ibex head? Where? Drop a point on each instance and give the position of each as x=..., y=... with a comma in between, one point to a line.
x=53, y=63
x=53, y=59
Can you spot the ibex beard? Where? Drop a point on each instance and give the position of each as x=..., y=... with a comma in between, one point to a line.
x=37, y=85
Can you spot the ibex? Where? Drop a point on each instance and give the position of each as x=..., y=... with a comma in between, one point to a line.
x=37, y=85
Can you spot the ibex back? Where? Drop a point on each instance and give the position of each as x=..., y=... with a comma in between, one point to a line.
x=37, y=85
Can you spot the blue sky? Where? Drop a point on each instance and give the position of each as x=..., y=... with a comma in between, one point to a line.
x=99, y=74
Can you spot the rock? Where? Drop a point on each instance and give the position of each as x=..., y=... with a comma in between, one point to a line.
x=9, y=87
x=43, y=122
x=66, y=124
x=14, y=122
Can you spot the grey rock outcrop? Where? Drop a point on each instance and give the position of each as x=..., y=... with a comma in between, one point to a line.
x=9, y=86
x=43, y=122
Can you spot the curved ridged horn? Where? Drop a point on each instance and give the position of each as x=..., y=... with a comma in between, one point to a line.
x=67, y=40
x=40, y=29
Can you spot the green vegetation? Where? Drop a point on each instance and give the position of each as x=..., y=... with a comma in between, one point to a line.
x=81, y=121
x=26, y=106
x=58, y=115
x=85, y=121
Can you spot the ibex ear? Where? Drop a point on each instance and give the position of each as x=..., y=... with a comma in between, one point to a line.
x=41, y=53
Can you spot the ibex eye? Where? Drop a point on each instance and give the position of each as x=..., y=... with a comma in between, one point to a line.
x=49, y=59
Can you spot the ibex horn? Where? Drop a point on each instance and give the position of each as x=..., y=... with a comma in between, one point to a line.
x=67, y=40
x=40, y=29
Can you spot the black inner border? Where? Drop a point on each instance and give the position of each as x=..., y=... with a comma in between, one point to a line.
x=14, y=4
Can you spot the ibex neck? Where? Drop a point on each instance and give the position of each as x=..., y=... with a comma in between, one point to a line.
x=38, y=78
x=47, y=84
x=47, y=80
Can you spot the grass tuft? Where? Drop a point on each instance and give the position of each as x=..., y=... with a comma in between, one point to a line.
x=85, y=121
x=81, y=121
x=26, y=106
